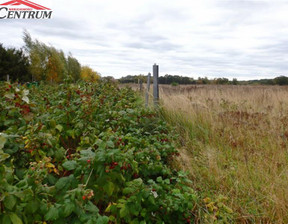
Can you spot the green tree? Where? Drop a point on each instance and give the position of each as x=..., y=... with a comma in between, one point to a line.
x=221, y=81
x=281, y=80
x=204, y=80
x=46, y=62
x=234, y=81
x=74, y=68
x=14, y=63
x=38, y=57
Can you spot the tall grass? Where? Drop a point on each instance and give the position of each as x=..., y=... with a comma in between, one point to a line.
x=233, y=141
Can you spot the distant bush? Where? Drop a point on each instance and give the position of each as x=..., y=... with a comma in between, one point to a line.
x=281, y=80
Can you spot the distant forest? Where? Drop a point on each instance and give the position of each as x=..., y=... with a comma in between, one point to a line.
x=184, y=80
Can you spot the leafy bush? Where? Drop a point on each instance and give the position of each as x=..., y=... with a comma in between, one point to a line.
x=87, y=153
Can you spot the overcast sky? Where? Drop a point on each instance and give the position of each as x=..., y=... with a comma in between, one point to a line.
x=233, y=39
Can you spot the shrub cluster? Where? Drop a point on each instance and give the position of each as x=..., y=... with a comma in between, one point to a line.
x=87, y=153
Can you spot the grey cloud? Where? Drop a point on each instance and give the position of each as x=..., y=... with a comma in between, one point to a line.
x=281, y=47
x=151, y=37
x=239, y=12
x=157, y=45
x=132, y=44
x=244, y=5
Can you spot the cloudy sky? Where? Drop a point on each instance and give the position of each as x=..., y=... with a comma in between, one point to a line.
x=228, y=38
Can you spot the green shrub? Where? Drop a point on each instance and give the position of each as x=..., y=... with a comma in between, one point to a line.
x=87, y=153
x=174, y=84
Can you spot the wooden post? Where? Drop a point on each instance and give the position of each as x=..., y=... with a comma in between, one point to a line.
x=148, y=89
x=8, y=78
x=141, y=85
x=155, y=84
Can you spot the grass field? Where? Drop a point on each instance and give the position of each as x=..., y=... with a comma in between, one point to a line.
x=233, y=142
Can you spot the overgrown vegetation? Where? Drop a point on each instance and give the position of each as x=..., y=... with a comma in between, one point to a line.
x=90, y=153
x=233, y=141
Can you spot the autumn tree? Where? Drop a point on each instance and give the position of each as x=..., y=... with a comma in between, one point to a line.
x=89, y=75
x=56, y=67
x=50, y=64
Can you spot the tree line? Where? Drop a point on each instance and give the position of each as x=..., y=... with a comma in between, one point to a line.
x=37, y=61
x=176, y=80
x=184, y=80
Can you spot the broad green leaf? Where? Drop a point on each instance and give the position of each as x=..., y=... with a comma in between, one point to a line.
x=159, y=179
x=6, y=219
x=32, y=207
x=135, y=208
x=2, y=141
x=91, y=221
x=53, y=123
x=59, y=127
x=167, y=181
x=102, y=220
x=190, y=205
x=70, y=165
x=26, y=194
x=109, y=188
x=143, y=212
x=61, y=183
x=15, y=219
x=124, y=212
x=87, y=153
x=68, y=209
x=138, y=182
x=10, y=201
x=52, y=214
x=80, y=124
x=128, y=190
x=110, y=144
x=135, y=221
x=43, y=207
x=71, y=133
x=3, y=156
x=90, y=207
x=151, y=200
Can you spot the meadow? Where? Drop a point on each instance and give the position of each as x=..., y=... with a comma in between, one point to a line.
x=233, y=143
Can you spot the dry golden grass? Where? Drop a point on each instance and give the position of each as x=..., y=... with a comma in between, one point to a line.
x=235, y=140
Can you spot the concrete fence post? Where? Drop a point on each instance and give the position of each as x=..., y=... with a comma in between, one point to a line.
x=8, y=79
x=155, y=84
x=141, y=85
x=148, y=89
